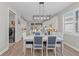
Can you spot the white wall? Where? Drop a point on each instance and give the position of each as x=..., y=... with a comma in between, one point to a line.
x=72, y=39
x=53, y=21
x=4, y=27
x=4, y=22
x=23, y=22
x=17, y=29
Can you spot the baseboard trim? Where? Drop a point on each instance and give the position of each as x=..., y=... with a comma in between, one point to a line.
x=3, y=51
x=71, y=46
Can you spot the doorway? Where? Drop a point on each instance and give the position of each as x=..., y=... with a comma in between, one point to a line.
x=11, y=27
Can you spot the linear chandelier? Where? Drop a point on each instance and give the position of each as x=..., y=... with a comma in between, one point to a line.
x=41, y=15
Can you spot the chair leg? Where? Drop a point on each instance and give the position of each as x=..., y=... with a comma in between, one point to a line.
x=42, y=52
x=46, y=52
x=24, y=51
x=55, y=51
x=33, y=52
x=62, y=48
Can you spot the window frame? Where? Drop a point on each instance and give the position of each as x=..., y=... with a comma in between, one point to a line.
x=76, y=23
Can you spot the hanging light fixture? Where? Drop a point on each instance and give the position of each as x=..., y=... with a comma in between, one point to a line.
x=41, y=15
x=41, y=8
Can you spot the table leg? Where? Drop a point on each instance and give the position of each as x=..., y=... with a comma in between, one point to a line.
x=24, y=51
x=62, y=48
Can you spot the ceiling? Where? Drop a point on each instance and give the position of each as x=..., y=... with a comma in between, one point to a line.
x=28, y=9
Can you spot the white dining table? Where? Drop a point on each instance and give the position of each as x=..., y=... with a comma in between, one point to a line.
x=45, y=37
x=30, y=38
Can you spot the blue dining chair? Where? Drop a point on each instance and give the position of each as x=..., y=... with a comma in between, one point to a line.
x=51, y=44
x=37, y=44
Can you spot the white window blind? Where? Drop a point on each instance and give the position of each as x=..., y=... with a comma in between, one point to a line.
x=69, y=22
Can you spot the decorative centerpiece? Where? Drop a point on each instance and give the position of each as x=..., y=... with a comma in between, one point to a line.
x=51, y=29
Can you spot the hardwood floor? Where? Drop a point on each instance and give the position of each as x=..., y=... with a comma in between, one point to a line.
x=17, y=50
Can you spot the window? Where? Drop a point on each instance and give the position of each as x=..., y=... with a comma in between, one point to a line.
x=77, y=21
x=71, y=21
